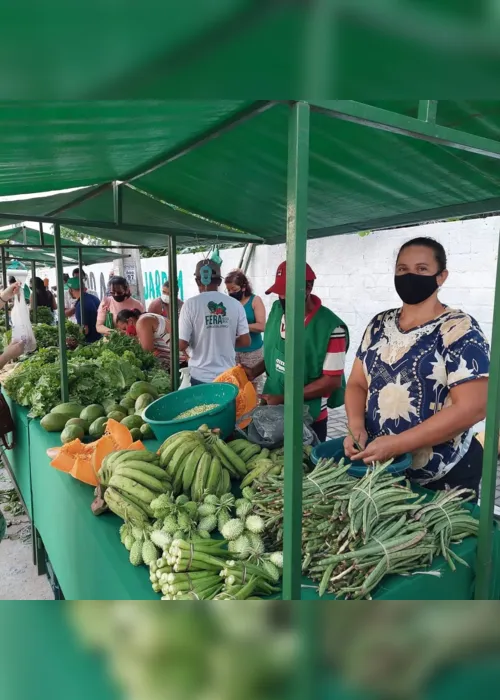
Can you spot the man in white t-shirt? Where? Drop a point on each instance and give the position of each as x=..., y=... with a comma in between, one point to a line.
x=212, y=325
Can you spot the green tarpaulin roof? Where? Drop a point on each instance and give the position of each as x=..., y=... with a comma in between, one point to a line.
x=227, y=161
x=153, y=49
x=138, y=209
x=26, y=236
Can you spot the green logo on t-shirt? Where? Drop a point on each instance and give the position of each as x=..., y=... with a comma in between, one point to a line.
x=217, y=315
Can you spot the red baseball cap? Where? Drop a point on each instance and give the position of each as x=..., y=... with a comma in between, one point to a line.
x=279, y=286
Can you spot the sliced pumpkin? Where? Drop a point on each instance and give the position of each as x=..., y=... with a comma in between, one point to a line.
x=63, y=461
x=84, y=461
x=119, y=433
x=246, y=401
x=83, y=470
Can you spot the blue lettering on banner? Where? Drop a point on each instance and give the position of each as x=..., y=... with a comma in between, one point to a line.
x=153, y=285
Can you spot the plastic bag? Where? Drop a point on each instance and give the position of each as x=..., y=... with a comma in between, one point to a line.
x=185, y=378
x=22, y=331
x=267, y=427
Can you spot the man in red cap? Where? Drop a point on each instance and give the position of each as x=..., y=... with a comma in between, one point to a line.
x=326, y=342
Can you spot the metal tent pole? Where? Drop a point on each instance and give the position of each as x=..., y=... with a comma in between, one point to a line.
x=174, y=313
x=34, y=300
x=4, y=282
x=60, y=314
x=490, y=459
x=80, y=277
x=296, y=242
x=41, y=234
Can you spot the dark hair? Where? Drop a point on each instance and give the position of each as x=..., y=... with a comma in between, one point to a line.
x=238, y=277
x=65, y=277
x=43, y=295
x=126, y=314
x=76, y=273
x=12, y=280
x=117, y=281
x=432, y=244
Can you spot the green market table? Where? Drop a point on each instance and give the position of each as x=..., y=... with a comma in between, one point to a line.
x=90, y=562
x=19, y=457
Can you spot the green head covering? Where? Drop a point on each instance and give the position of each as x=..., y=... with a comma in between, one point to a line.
x=73, y=283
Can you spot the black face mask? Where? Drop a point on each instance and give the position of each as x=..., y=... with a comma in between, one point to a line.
x=119, y=297
x=283, y=304
x=237, y=295
x=414, y=289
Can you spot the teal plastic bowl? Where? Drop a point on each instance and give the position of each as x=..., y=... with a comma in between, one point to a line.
x=334, y=449
x=160, y=413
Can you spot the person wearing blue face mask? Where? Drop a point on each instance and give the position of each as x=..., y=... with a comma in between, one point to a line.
x=420, y=379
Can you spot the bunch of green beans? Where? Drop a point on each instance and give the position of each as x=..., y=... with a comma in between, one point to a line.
x=357, y=531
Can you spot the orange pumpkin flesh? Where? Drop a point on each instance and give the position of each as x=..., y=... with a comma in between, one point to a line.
x=84, y=461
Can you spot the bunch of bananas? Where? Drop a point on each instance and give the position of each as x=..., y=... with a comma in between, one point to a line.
x=133, y=479
x=195, y=466
x=261, y=461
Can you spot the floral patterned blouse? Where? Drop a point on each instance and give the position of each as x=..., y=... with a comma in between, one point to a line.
x=410, y=374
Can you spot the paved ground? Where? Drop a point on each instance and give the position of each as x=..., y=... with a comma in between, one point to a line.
x=18, y=576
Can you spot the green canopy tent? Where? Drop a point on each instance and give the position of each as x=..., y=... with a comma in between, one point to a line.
x=343, y=167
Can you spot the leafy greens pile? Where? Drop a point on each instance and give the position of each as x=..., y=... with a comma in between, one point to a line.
x=95, y=372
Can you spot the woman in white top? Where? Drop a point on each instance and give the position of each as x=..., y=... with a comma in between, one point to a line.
x=152, y=331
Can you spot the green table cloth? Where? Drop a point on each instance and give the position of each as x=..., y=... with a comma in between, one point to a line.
x=19, y=457
x=85, y=550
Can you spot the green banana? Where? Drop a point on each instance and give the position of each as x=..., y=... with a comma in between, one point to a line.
x=225, y=482
x=214, y=475
x=224, y=460
x=262, y=468
x=167, y=456
x=124, y=508
x=239, y=445
x=145, y=467
x=232, y=457
x=140, y=504
x=137, y=456
x=178, y=479
x=200, y=479
x=173, y=438
x=190, y=468
x=249, y=452
x=141, y=477
x=126, y=485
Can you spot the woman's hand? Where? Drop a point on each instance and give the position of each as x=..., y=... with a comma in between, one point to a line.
x=249, y=372
x=13, y=351
x=360, y=436
x=273, y=399
x=10, y=291
x=380, y=450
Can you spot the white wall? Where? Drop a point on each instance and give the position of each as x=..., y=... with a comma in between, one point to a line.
x=355, y=275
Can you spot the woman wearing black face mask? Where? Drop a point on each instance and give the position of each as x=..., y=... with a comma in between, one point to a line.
x=119, y=299
x=419, y=383
x=239, y=288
